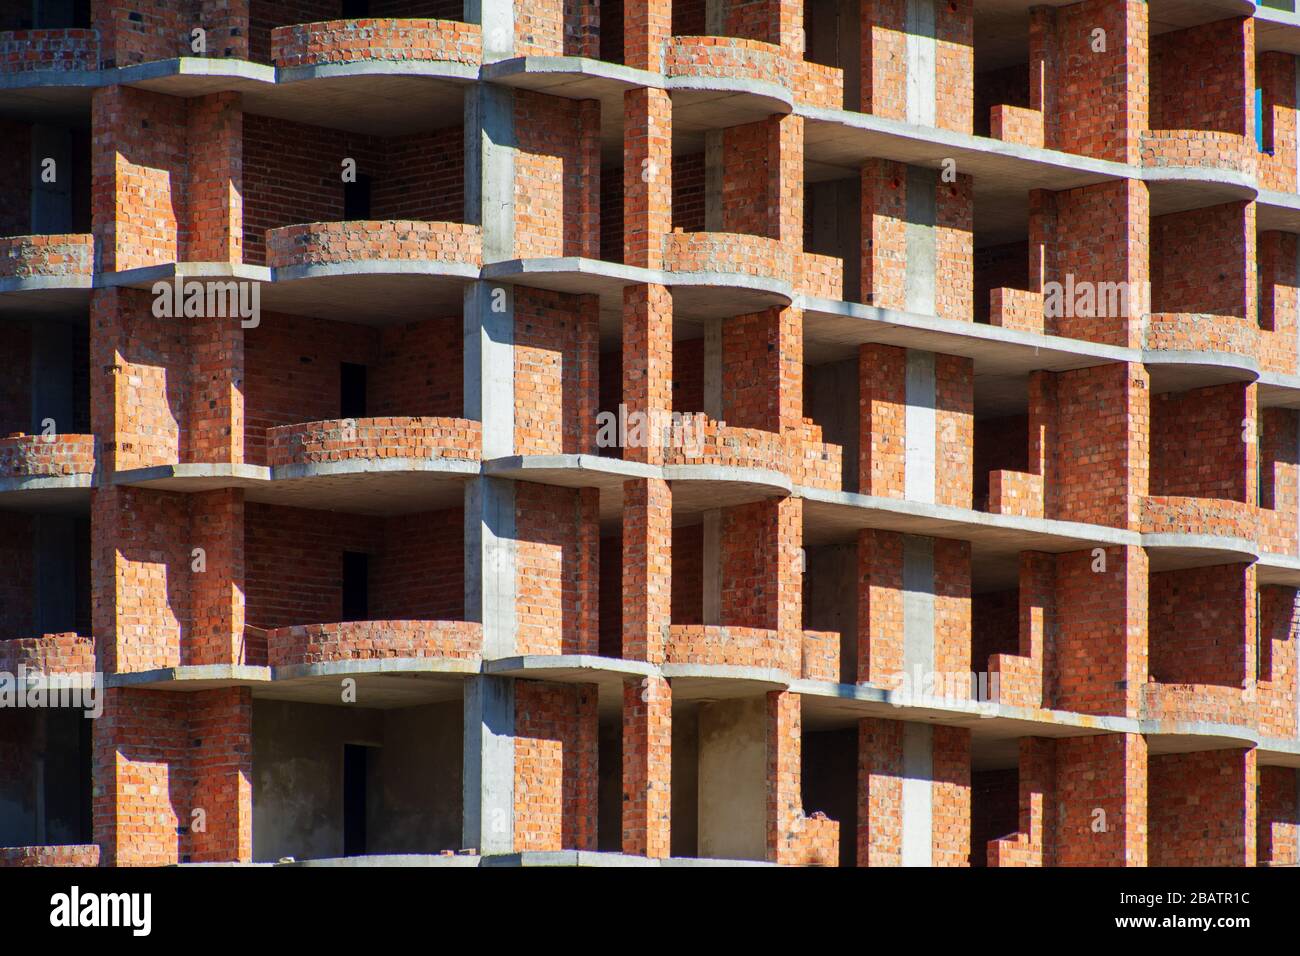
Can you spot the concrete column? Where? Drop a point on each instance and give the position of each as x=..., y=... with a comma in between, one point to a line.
x=489, y=769
x=497, y=18
x=921, y=53
x=920, y=427
x=490, y=147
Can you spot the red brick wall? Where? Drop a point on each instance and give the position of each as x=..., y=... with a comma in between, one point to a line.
x=995, y=629
x=1003, y=266
x=688, y=575
x=762, y=381
x=995, y=803
x=1279, y=628
x=1199, y=79
x=557, y=176
x=688, y=192
x=555, y=766
x=556, y=366
x=1276, y=257
x=1275, y=74
x=1215, y=239
x=557, y=566
x=420, y=573
x=1198, y=626
x=1197, y=448
x=1278, y=839
x=760, y=583
x=1101, y=808
x=1202, y=808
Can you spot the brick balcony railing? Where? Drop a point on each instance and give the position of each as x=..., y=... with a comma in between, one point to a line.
x=800, y=454
x=331, y=243
x=1198, y=703
x=351, y=439
x=36, y=456
x=353, y=41
x=821, y=276
x=727, y=58
x=821, y=655
x=77, y=854
x=371, y=640
x=59, y=256
x=1017, y=493
x=736, y=646
x=1017, y=309
x=1197, y=149
x=727, y=252
x=57, y=50
x=1016, y=124
x=1216, y=517
x=819, y=85
x=1192, y=332
x=66, y=653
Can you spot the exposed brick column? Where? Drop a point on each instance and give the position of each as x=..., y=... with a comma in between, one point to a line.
x=1276, y=76
x=1203, y=808
x=762, y=370
x=557, y=535
x=1094, y=103
x=1101, y=462
x=954, y=236
x=1037, y=783
x=761, y=575
x=151, y=777
x=214, y=220
x=214, y=401
x=555, y=779
x=647, y=767
x=1101, y=789
x=647, y=568
x=647, y=176
x=792, y=837
x=1101, y=645
x=882, y=445
x=1043, y=70
x=646, y=25
x=221, y=754
x=884, y=233
x=880, y=607
x=648, y=364
x=954, y=437
x=216, y=633
x=943, y=93
x=556, y=366
x=1278, y=300
x=1278, y=840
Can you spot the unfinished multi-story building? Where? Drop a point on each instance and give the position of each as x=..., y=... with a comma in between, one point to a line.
x=975, y=541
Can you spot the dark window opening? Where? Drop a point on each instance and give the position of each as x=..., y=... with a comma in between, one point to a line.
x=356, y=586
x=356, y=9
x=352, y=390
x=356, y=199
x=355, y=760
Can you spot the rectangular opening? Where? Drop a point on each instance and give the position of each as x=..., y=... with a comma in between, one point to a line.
x=356, y=199
x=355, y=9
x=356, y=586
x=355, y=778
x=352, y=390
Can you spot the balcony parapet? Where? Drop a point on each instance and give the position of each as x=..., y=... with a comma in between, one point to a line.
x=46, y=456
x=357, y=41
x=357, y=439
x=69, y=50
x=357, y=242
x=47, y=256
x=370, y=640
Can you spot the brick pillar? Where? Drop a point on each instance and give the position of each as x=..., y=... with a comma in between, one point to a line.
x=216, y=633
x=902, y=79
x=1101, y=789
x=214, y=401
x=1101, y=643
x=954, y=238
x=557, y=541
x=1278, y=816
x=1101, y=462
x=648, y=366
x=151, y=776
x=954, y=426
x=555, y=777
x=1098, y=234
x=214, y=209
x=1043, y=71
x=884, y=232
x=647, y=24
x=647, y=568
x=1101, y=99
x=1278, y=301
x=792, y=837
x=221, y=755
x=880, y=607
x=1037, y=796
x=647, y=767
x=555, y=400
x=913, y=794
x=882, y=442
x=647, y=176
x=1203, y=808
x=1276, y=76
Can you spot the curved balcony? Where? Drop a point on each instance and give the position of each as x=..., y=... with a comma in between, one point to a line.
x=305, y=248
x=1222, y=347
x=755, y=268
x=1198, y=149
x=407, y=41
x=300, y=447
x=795, y=457
x=77, y=854
x=63, y=654
x=1200, y=530
x=35, y=262
x=27, y=52
x=350, y=641
x=751, y=648
x=757, y=75
x=41, y=461
x=1198, y=704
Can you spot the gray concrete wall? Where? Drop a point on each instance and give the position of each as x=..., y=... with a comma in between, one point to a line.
x=733, y=779
x=413, y=795
x=685, y=781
